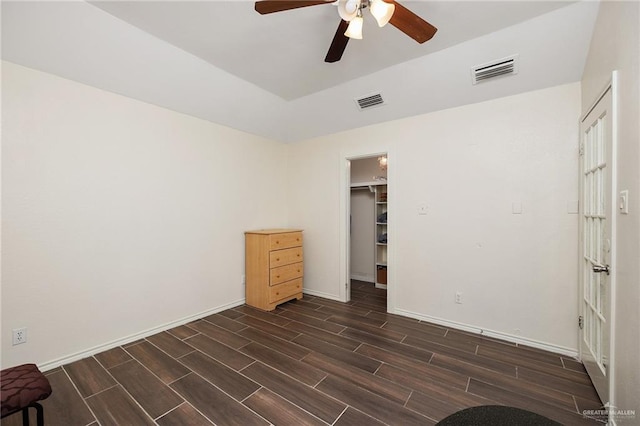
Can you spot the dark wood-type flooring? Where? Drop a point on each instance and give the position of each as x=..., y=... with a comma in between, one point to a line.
x=312, y=362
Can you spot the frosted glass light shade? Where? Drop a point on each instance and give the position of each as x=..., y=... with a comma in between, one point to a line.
x=348, y=9
x=354, y=30
x=382, y=162
x=382, y=11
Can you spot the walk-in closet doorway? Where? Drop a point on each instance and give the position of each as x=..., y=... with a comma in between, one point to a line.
x=366, y=235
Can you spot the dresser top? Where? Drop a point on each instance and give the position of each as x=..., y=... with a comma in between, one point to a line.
x=273, y=231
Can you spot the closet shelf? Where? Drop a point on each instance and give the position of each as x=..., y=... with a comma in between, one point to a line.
x=381, y=221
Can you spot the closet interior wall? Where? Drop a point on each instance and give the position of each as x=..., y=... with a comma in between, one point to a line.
x=366, y=174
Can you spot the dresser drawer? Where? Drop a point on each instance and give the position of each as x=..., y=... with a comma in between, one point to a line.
x=285, y=257
x=285, y=273
x=286, y=289
x=285, y=240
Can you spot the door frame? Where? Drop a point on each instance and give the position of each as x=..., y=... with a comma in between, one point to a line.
x=345, y=212
x=612, y=86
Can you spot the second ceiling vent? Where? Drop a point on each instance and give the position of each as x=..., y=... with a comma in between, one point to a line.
x=500, y=67
x=369, y=101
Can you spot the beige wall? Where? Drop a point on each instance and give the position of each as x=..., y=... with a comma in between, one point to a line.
x=120, y=217
x=616, y=46
x=517, y=273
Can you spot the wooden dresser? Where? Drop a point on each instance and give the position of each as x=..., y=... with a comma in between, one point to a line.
x=273, y=267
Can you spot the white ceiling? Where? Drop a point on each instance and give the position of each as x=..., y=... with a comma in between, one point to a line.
x=284, y=52
x=265, y=74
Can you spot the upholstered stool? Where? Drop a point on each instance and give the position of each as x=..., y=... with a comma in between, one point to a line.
x=22, y=387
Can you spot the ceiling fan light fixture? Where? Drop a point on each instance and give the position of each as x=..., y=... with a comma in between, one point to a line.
x=351, y=22
x=354, y=30
x=348, y=9
x=382, y=11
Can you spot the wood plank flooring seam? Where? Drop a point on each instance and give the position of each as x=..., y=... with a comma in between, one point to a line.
x=576, y=403
x=173, y=409
x=149, y=369
x=217, y=386
x=576, y=411
x=97, y=393
x=181, y=377
x=165, y=385
x=128, y=394
x=408, y=399
x=341, y=414
x=245, y=367
x=304, y=386
x=296, y=405
x=165, y=352
x=295, y=378
x=251, y=394
x=168, y=411
x=79, y=394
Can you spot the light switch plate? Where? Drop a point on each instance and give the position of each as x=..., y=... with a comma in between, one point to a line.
x=623, y=202
x=422, y=209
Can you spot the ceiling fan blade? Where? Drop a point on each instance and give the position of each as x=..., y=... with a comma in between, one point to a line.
x=411, y=24
x=269, y=6
x=338, y=44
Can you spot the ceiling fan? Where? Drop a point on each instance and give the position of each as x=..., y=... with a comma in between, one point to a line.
x=350, y=26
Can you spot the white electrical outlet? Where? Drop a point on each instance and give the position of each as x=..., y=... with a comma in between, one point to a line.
x=243, y=280
x=19, y=335
x=458, y=297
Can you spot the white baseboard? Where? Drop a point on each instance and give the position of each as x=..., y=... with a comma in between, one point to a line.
x=562, y=350
x=50, y=365
x=321, y=294
x=363, y=277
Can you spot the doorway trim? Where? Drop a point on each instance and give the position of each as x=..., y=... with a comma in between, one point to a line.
x=345, y=211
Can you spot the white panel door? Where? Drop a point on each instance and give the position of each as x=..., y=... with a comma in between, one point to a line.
x=596, y=216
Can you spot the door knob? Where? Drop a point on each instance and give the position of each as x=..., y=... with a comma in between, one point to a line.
x=601, y=268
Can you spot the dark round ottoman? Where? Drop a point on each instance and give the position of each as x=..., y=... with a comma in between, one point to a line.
x=496, y=415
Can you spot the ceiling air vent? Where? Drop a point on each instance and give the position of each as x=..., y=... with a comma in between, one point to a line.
x=370, y=101
x=505, y=66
